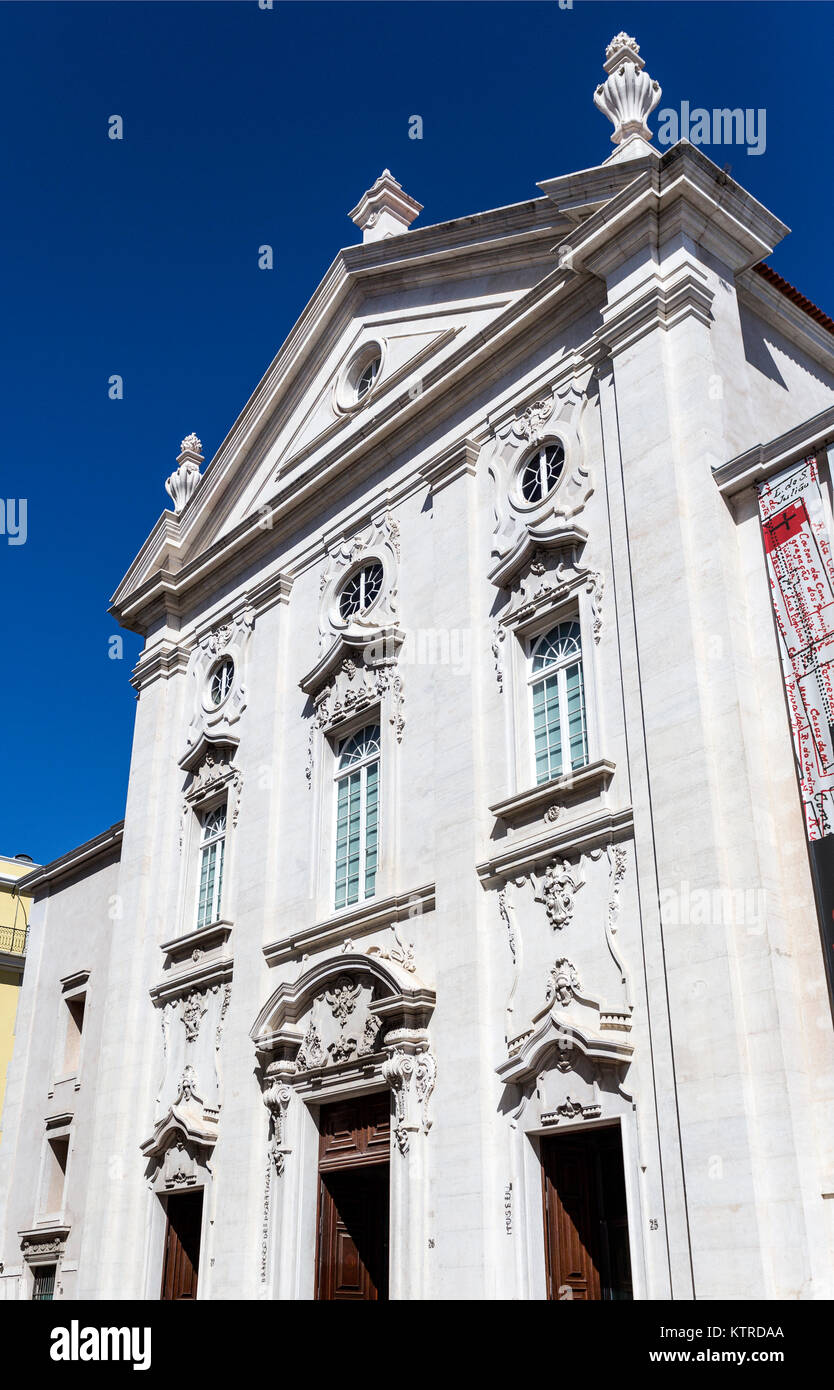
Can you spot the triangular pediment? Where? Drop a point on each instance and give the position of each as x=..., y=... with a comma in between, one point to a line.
x=442, y=303
x=317, y=420
x=426, y=297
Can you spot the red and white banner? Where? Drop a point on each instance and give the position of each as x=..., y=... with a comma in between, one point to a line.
x=801, y=571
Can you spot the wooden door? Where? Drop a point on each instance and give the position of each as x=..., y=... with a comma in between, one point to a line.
x=586, y=1227
x=353, y=1241
x=354, y=1149
x=182, y=1245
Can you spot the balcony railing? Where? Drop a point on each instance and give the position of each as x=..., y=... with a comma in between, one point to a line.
x=13, y=940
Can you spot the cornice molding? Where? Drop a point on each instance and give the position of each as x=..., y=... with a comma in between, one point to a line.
x=788, y=318
x=459, y=460
x=357, y=921
x=198, y=976
x=83, y=856
x=602, y=827
x=763, y=460
x=586, y=781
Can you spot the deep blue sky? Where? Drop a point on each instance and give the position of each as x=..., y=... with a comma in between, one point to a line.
x=246, y=126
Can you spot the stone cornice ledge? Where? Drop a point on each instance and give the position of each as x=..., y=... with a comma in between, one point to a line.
x=763, y=460
x=458, y=461
x=41, y=1242
x=203, y=939
x=215, y=971
x=358, y=921
x=83, y=856
x=574, y=837
x=588, y=780
x=533, y=538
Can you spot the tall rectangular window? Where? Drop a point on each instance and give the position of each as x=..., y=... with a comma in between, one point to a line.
x=212, y=847
x=357, y=816
x=75, y=1028
x=560, y=736
x=55, y=1173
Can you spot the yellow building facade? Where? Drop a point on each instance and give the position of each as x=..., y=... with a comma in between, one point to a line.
x=14, y=925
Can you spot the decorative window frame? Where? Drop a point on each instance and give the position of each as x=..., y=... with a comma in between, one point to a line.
x=553, y=589
x=520, y=527
x=43, y=1245
x=356, y=681
x=339, y=775
x=380, y=541
x=213, y=779
x=378, y=700
x=216, y=723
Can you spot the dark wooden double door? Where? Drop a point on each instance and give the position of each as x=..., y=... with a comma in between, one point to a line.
x=184, y=1213
x=352, y=1257
x=586, y=1225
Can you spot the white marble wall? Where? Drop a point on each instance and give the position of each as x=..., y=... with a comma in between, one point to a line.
x=724, y=1106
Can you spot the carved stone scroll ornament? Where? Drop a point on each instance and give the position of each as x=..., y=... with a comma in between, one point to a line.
x=411, y=1077
x=499, y=635
x=277, y=1097
x=355, y=687
x=192, y=1009
x=548, y=579
x=341, y=1025
x=397, y=950
x=558, y=891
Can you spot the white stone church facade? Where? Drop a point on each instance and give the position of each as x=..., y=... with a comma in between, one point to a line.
x=460, y=939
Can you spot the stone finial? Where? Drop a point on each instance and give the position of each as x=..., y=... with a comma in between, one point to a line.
x=629, y=94
x=384, y=210
x=183, y=481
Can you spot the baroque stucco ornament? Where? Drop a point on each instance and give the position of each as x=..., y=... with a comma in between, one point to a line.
x=183, y=482
x=563, y=983
x=212, y=722
x=628, y=95
x=559, y=887
x=520, y=526
x=411, y=1076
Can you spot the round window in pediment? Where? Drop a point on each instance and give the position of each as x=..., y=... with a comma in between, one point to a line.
x=358, y=379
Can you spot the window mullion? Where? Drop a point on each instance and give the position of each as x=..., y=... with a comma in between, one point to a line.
x=564, y=731
x=363, y=811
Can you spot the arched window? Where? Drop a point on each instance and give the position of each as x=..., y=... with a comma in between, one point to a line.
x=560, y=736
x=212, y=846
x=357, y=816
